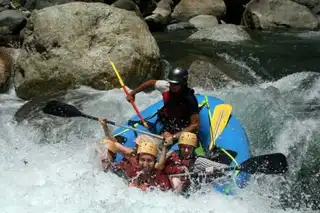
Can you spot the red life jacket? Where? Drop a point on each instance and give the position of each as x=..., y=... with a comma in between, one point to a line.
x=174, y=165
x=158, y=180
x=129, y=166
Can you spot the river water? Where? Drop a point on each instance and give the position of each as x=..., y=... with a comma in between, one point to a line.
x=50, y=164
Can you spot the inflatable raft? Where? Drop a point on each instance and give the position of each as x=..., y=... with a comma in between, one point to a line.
x=233, y=145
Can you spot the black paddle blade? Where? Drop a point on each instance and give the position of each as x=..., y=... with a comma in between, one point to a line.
x=61, y=109
x=269, y=164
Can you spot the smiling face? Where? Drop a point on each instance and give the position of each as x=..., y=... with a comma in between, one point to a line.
x=186, y=151
x=146, y=162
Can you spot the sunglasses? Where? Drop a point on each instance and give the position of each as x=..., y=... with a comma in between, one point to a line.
x=174, y=84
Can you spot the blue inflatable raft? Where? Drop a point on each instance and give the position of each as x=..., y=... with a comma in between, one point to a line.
x=232, y=139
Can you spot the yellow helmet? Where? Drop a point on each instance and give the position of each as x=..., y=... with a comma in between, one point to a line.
x=188, y=138
x=148, y=148
x=144, y=138
x=110, y=144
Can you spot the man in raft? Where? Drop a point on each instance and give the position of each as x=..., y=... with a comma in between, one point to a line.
x=180, y=112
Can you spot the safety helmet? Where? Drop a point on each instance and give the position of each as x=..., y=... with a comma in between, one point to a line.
x=188, y=138
x=178, y=75
x=110, y=144
x=148, y=148
x=144, y=138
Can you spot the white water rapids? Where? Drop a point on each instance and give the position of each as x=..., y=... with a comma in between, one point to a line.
x=56, y=168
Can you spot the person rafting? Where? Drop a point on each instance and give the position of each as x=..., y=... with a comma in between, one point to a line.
x=181, y=161
x=180, y=112
x=140, y=166
x=149, y=175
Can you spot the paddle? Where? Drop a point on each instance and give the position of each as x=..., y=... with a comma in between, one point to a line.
x=127, y=93
x=219, y=121
x=65, y=110
x=268, y=164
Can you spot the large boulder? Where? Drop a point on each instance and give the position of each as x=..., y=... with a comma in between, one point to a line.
x=204, y=21
x=266, y=14
x=180, y=26
x=187, y=9
x=68, y=45
x=316, y=10
x=207, y=76
x=221, y=33
x=5, y=5
x=12, y=21
x=309, y=3
x=127, y=5
x=5, y=69
x=40, y=4
x=11, y=24
x=161, y=16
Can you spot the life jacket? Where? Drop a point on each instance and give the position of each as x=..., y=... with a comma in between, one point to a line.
x=175, y=113
x=129, y=166
x=174, y=165
x=158, y=180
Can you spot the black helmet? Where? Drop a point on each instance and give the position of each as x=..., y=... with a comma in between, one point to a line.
x=178, y=75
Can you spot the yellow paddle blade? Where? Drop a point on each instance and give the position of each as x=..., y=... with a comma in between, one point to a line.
x=219, y=121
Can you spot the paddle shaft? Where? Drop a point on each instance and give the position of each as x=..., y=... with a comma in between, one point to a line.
x=202, y=173
x=123, y=126
x=65, y=110
x=135, y=129
x=127, y=93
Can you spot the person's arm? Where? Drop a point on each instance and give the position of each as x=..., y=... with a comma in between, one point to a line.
x=123, y=149
x=106, y=130
x=193, y=127
x=143, y=86
x=162, y=161
x=120, y=148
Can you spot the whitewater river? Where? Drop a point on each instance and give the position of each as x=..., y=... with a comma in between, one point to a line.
x=50, y=164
